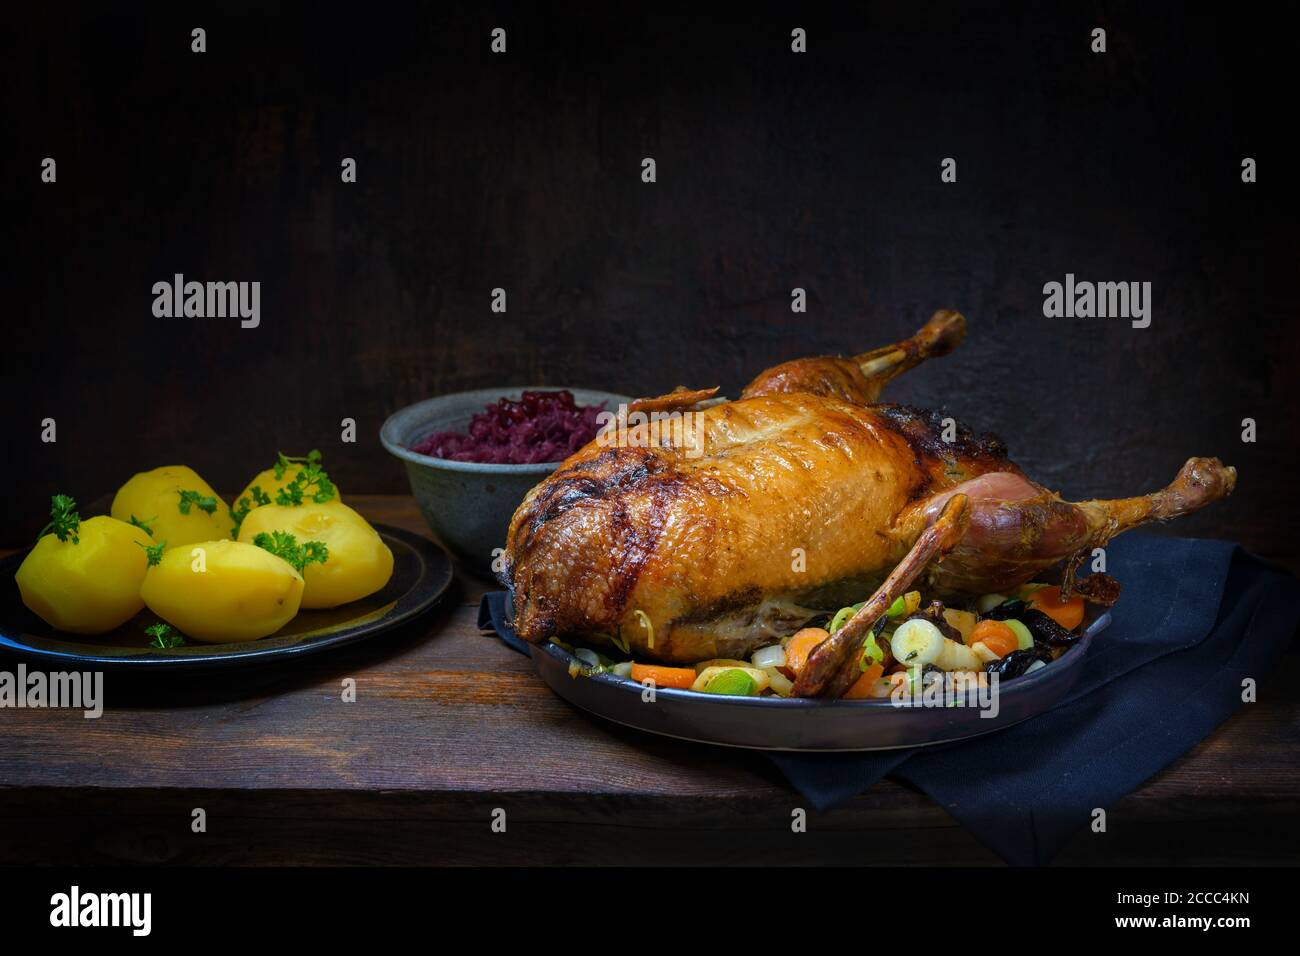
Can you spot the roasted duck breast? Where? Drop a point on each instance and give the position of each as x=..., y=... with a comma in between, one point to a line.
x=708, y=541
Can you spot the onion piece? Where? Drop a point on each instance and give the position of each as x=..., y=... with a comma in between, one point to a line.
x=916, y=642
x=882, y=688
x=766, y=657
x=781, y=685
x=644, y=620
x=954, y=656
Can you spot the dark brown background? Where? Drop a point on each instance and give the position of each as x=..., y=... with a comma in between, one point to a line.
x=522, y=171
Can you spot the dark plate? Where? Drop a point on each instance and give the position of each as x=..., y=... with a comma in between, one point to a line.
x=774, y=723
x=421, y=575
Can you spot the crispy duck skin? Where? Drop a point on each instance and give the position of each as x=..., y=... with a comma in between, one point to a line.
x=801, y=497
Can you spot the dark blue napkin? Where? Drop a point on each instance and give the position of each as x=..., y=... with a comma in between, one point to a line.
x=1197, y=617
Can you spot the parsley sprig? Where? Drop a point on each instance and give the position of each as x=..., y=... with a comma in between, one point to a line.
x=286, y=546
x=164, y=636
x=141, y=523
x=244, y=505
x=192, y=499
x=154, y=552
x=310, y=476
x=284, y=462
x=64, y=520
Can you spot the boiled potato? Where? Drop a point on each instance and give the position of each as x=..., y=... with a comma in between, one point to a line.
x=242, y=593
x=269, y=485
x=154, y=497
x=89, y=587
x=359, y=562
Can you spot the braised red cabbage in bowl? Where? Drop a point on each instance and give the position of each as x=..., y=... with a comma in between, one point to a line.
x=539, y=427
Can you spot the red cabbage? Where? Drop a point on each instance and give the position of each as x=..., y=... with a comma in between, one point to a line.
x=540, y=427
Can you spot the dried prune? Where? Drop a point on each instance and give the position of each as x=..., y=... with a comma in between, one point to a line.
x=1098, y=589
x=1005, y=611
x=1046, y=630
x=1017, y=662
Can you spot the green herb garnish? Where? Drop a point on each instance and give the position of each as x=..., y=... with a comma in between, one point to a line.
x=154, y=552
x=142, y=525
x=190, y=499
x=286, y=546
x=164, y=636
x=284, y=462
x=243, y=506
x=64, y=520
x=310, y=476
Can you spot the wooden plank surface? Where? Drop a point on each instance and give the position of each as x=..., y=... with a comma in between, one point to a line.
x=450, y=725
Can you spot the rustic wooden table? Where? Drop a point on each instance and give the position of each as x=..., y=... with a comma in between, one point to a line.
x=449, y=726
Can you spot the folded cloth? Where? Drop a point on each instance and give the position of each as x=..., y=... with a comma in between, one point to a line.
x=1197, y=618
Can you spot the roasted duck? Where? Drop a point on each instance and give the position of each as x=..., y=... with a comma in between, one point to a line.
x=793, y=500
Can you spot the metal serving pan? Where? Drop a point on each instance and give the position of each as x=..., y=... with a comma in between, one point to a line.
x=775, y=723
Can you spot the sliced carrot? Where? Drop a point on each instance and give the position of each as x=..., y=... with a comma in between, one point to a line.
x=864, y=685
x=801, y=645
x=1068, y=614
x=679, y=677
x=997, y=637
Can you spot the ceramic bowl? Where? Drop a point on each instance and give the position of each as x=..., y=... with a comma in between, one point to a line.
x=467, y=505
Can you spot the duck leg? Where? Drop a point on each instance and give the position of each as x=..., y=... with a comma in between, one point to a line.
x=861, y=378
x=833, y=665
x=1019, y=529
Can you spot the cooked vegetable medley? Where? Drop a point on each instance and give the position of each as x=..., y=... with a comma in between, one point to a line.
x=1007, y=635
